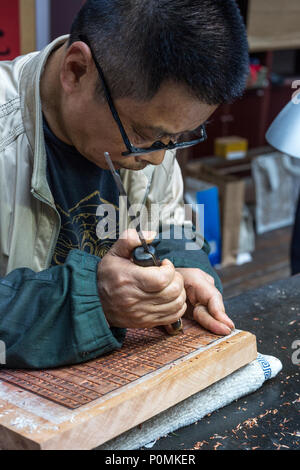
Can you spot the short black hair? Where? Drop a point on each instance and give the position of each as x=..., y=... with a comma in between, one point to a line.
x=142, y=43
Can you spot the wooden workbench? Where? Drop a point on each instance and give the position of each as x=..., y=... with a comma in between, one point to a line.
x=269, y=418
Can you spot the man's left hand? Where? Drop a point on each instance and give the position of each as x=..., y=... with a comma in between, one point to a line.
x=205, y=302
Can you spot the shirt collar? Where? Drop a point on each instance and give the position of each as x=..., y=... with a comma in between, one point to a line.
x=32, y=114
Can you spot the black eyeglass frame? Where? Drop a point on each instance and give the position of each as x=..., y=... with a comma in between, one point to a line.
x=131, y=149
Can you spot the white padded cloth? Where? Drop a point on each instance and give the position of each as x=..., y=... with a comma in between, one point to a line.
x=242, y=382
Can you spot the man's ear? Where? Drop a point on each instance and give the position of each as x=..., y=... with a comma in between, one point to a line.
x=77, y=67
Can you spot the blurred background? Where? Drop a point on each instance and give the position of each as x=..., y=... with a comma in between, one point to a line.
x=249, y=191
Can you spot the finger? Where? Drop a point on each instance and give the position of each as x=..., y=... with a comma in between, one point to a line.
x=203, y=292
x=154, y=279
x=169, y=308
x=209, y=279
x=128, y=241
x=209, y=295
x=216, y=308
x=170, y=293
x=168, y=320
x=202, y=316
x=150, y=321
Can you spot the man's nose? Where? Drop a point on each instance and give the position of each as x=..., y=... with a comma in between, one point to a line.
x=154, y=158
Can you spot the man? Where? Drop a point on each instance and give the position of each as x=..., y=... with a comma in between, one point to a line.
x=132, y=73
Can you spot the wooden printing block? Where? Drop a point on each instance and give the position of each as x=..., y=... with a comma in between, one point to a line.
x=83, y=406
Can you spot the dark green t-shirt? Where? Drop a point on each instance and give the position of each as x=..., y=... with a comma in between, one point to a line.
x=79, y=187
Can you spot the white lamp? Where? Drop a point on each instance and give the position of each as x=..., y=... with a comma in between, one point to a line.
x=284, y=132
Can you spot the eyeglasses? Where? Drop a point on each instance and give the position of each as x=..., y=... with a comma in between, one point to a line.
x=195, y=137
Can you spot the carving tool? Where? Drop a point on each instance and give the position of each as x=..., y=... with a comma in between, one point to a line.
x=144, y=255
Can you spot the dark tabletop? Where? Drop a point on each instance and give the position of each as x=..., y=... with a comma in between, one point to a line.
x=269, y=417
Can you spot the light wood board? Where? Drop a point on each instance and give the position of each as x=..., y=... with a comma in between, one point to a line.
x=30, y=421
x=27, y=26
x=273, y=24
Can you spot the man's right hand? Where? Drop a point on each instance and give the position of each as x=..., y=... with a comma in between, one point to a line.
x=136, y=297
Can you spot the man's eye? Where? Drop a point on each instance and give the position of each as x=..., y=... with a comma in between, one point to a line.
x=173, y=138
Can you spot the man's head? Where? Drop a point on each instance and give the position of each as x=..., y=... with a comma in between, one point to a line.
x=167, y=63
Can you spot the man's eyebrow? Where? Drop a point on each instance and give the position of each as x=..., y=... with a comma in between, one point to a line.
x=157, y=130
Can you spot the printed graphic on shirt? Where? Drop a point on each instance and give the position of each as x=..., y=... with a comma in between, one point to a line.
x=78, y=229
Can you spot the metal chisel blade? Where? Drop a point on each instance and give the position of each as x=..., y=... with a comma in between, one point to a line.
x=123, y=192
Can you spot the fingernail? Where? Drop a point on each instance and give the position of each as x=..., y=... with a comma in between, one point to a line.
x=227, y=319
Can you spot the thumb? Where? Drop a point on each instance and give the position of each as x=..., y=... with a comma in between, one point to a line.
x=128, y=241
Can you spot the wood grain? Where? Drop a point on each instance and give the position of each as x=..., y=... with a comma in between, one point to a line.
x=273, y=24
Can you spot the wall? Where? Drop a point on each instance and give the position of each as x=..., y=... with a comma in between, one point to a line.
x=62, y=15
